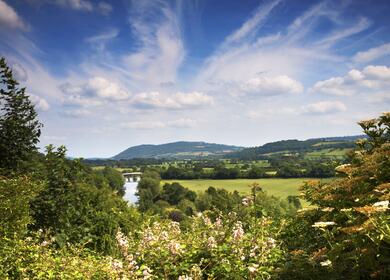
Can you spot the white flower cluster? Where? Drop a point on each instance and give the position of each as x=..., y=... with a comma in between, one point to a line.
x=238, y=231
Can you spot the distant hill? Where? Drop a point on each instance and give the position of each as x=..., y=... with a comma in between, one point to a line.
x=178, y=150
x=329, y=146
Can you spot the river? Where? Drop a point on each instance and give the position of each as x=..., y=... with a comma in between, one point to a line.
x=131, y=189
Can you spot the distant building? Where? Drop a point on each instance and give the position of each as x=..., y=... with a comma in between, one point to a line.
x=132, y=176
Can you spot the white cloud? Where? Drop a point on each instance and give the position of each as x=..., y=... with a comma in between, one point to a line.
x=371, y=79
x=324, y=107
x=372, y=54
x=40, y=103
x=180, y=100
x=269, y=86
x=179, y=123
x=93, y=92
x=106, y=89
x=9, y=17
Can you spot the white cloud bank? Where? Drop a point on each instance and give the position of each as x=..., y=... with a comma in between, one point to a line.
x=93, y=92
x=372, y=79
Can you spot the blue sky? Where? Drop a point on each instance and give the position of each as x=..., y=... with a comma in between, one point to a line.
x=106, y=75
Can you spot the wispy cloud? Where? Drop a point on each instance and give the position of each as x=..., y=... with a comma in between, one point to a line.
x=9, y=17
x=101, y=7
x=372, y=53
x=252, y=24
x=156, y=28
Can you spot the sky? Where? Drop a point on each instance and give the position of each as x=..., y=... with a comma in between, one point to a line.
x=107, y=75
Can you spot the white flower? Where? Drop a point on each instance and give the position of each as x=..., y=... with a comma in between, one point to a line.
x=253, y=268
x=326, y=263
x=238, y=232
x=184, y=277
x=323, y=224
x=211, y=243
x=382, y=204
x=271, y=242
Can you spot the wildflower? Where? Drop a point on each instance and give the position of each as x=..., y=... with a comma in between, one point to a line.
x=146, y=272
x=238, y=231
x=253, y=268
x=211, y=243
x=122, y=240
x=184, y=277
x=271, y=242
x=174, y=248
x=323, y=224
x=246, y=201
x=116, y=265
x=326, y=263
x=44, y=243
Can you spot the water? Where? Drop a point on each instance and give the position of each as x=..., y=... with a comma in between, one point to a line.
x=131, y=189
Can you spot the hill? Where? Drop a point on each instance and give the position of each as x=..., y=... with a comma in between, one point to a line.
x=331, y=146
x=177, y=150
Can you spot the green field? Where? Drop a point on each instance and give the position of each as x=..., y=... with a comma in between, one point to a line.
x=339, y=153
x=273, y=186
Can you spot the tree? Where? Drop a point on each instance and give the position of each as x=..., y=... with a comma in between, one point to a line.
x=19, y=126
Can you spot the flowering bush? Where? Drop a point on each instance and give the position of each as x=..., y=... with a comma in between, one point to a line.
x=349, y=234
x=220, y=249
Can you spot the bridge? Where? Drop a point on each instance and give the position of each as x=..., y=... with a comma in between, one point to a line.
x=132, y=176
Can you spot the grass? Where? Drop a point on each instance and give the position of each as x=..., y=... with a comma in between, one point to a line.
x=328, y=152
x=273, y=186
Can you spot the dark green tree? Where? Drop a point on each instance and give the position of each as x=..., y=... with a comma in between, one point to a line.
x=19, y=127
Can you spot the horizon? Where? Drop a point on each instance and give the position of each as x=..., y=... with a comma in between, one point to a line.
x=225, y=144
x=106, y=76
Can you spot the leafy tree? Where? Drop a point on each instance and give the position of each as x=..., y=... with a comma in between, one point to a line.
x=115, y=180
x=19, y=127
x=174, y=193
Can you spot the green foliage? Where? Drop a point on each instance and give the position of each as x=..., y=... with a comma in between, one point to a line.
x=75, y=211
x=174, y=193
x=35, y=258
x=15, y=197
x=115, y=179
x=19, y=127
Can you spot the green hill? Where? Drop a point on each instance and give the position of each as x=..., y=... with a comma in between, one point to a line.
x=330, y=146
x=177, y=150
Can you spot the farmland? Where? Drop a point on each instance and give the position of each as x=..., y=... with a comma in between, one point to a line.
x=273, y=186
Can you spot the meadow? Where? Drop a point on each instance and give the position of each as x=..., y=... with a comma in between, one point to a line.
x=273, y=186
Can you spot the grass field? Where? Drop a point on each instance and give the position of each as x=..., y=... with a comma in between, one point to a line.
x=273, y=186
x=329, y=153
